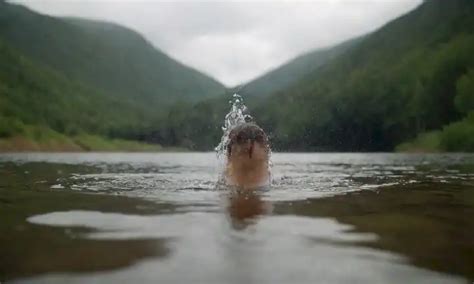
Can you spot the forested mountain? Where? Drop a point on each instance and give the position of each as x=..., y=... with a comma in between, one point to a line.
x=413, y=75
x=397, y=82
x=283, y=76
x=73, y=76
x=31, y=94
x=111, y=58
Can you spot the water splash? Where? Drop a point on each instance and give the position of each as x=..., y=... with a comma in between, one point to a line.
x=236, y=116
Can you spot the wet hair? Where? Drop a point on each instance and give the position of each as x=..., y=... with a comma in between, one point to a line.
x=244, y=132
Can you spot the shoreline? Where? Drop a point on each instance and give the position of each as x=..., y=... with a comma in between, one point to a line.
x=79, y=144
x=87, y=143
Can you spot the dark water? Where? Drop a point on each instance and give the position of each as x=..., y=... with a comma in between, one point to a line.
x=157, y=218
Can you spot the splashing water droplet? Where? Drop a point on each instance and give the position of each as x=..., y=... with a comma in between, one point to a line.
x=236, y=116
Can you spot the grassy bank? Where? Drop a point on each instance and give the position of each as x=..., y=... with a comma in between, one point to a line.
x=44, y=139
x=454, y=137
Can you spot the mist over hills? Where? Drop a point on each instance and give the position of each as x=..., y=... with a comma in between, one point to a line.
x=110, y=57
x=285, y=75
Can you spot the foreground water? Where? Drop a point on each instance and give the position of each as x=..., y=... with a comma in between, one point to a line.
x=158, y=218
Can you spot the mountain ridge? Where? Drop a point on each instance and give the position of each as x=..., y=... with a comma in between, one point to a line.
x=118, y=61
x=290, y=71
x=104, y=23
x=61, y=79
x=370, y=97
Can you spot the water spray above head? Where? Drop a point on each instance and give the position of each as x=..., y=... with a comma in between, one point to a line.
x=238, y=114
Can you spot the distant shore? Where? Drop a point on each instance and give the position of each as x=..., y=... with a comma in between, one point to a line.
x=51, y=141
x=82, y=143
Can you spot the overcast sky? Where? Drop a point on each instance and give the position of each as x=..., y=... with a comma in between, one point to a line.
x=236, y=41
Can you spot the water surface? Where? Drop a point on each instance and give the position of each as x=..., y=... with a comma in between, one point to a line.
x=148, y=218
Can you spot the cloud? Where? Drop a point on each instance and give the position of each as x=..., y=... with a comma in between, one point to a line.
x=236, y=41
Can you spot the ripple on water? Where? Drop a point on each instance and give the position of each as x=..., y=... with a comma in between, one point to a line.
x=276, y=249
x=191, y=177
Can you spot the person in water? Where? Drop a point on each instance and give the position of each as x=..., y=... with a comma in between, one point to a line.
x=248, y=153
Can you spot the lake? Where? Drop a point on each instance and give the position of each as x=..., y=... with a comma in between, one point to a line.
x=159, y=218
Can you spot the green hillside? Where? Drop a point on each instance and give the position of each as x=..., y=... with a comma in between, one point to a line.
x=284, y=76
x=114, y=59
x=400, y=81
x=62, y=80
x=40, y=107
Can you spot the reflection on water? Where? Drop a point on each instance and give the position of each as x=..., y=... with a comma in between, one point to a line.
x=279, y=249
x=244, y=208
x=431, y=224
x=147, y=218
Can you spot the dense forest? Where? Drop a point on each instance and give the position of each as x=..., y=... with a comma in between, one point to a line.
x=408, y=86
x=407, y=78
